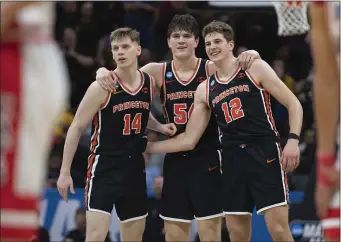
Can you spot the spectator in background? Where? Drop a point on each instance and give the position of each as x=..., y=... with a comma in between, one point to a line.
x=83, y=53
x=109, y=15
x=54, y=166
x=143, y=16
x=78, y=234
x=240, y=49
x=67, y=44
x=66, y=17
x=279, y=67
x=304, y=94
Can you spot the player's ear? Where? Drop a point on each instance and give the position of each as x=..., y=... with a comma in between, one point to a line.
x=196, y=42
x=112, y=52
x=168, y=41
x=231, y=44
x=138, y=50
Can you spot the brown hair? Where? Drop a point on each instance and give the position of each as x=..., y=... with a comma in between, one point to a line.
x=185, y=22
x=125, y=32
x=219, y=27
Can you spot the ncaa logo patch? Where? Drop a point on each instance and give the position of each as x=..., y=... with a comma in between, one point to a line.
x=212, y=83
x=169, y=74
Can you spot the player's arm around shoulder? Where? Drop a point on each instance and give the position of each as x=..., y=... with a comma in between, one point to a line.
x=155, y=70
x=194, y=129
x=108, y=80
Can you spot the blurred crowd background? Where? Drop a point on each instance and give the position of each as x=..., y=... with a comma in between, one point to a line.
x=82, y=30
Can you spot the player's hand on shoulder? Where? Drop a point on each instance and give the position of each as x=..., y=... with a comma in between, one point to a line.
x=246, y=58
x=291, y=155
x=169, y=129
x=64, y=182
x=106, y=79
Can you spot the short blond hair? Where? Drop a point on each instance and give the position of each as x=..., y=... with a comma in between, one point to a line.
x=125, y=32
x=219, y=27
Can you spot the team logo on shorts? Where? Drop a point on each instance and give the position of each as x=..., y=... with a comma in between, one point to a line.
x=169, y=74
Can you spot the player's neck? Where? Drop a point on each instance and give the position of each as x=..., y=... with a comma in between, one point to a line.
x=227, y=66
x=127, y=75
x=184, y=65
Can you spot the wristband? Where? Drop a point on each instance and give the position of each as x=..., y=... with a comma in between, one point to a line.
x=293, y=136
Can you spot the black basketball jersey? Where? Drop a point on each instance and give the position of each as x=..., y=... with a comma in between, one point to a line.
x=178, y=101
x=119, y=127
x=242, y=108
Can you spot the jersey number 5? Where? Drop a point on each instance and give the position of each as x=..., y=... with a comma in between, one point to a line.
x=181, y=114
x=232, y=111
x=129, y=125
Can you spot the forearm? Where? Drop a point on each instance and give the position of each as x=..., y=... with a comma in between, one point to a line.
x=176, y=144
x=295, y=117
x=327, y=115
x=70, y=147
x=326, y=81
x=153, y=124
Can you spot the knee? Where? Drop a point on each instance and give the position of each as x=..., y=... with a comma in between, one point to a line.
x=95, y=234
x=177, y=231
x=209, y=234
x=210, y=230
x=277, y=229
x=239, y=232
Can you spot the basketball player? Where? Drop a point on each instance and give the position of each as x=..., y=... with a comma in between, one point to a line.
x=116, y=172
x=33, y=94
x=192, y=180
x=325, y=37
x=254, y=168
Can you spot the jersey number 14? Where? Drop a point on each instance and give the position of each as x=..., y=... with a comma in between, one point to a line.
x=129, y=125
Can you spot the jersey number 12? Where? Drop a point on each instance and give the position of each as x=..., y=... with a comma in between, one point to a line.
x=232, y=111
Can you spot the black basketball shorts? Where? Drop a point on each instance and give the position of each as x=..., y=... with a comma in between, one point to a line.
x=253, y=176
x=117, y=181
x=192, y=186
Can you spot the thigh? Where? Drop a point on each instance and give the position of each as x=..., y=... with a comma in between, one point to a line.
x=237, y=199
x=133, y=203
x=175, y=200
x=268, y=181
x=97, y=225
x=101, y=191
x=206, y=186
